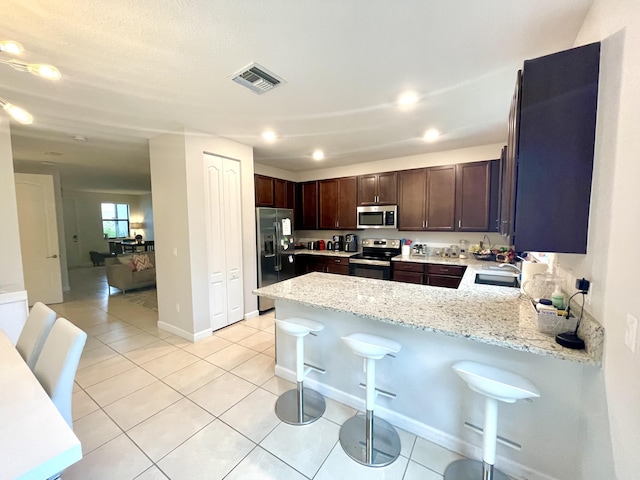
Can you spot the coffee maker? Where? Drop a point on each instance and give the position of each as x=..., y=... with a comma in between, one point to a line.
x=351, y=243
x=338, y=243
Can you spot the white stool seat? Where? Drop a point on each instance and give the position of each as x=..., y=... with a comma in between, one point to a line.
x=371, y=346
x=494, y=382
x=299, y=327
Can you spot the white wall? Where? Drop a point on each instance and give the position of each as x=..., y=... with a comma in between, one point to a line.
x=88, y=215
x=611, y=262
x=464, y=155
x=11, y=276
x=179, y=211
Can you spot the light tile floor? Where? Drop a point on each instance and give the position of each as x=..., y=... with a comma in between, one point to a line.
x=149, y=405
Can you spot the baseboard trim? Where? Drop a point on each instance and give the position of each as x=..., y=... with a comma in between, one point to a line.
x=192, y=337
x=450, y=442
x=253, y=314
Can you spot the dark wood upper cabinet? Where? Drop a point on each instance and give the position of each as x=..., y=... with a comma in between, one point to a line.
x=412, y=191
x=347, y=202
x=441, y=199
x=306, y=204
x=554, y=151
x=264, y=189
x=280, y=193
x=378, y=189
x=291, y=195
x=337, y=203
x=473, y=197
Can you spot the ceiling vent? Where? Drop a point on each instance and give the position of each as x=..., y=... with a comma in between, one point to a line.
x=257, y=78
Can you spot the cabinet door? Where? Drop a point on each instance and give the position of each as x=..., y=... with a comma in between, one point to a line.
x=509, y=170
x=346, y=217
x=367, y=189
x=473, y=196
x=443, y=281
x=412, y=190
x=307, y=206
x=291, y=196
x=388, y=188
x=280, y=193
x=328, y=203
x=264, y=191
x=441, y=198
x=555, y=150
x=408, y=277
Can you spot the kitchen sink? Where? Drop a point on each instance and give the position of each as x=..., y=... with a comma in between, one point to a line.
x=498, y=277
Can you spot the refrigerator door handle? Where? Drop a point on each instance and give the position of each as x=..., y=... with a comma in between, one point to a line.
x=278, y=250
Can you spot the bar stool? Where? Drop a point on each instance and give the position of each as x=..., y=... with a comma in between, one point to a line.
x=369, y=440
x=495, y=384
x=300, y=406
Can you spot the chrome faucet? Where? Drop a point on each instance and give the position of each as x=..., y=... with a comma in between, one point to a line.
x=502, y=265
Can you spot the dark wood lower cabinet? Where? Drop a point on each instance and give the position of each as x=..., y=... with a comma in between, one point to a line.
x=321, y=263
x=434, y=274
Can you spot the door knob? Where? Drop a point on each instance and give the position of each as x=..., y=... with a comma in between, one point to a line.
x=53, y=256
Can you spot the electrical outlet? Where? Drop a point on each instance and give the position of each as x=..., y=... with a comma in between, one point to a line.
x=175, y=251
x=631, y=332
x=178, y=307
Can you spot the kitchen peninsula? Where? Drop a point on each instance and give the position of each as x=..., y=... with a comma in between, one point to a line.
x=436, y=327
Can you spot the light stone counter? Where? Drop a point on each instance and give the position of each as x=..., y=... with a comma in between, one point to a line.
x=324, y=253
x=493, y=315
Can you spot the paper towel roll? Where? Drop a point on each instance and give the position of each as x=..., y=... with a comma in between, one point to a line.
x=529, y=269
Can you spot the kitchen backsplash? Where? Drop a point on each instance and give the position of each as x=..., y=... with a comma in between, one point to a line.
x=430, y=238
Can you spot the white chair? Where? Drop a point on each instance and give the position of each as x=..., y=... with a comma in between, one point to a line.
x=370, y=440
x=496, y=385
x=300, y=406
x=35, y=332
x=58, y=362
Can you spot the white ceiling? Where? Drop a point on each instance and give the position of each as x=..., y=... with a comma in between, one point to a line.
x=134, y=69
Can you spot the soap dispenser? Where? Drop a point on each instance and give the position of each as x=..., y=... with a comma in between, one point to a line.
x=557, y=298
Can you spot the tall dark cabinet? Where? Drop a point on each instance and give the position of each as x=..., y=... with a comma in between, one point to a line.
x=549, y=156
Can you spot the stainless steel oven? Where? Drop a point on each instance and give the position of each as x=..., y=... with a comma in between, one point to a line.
x=375, y=259
x=384, y=216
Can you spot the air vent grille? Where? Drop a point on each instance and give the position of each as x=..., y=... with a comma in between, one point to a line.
x=257, y=78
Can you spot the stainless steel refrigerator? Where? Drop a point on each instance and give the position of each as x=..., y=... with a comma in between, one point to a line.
x=276, y=262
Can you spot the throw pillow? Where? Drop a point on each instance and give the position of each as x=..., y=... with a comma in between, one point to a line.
x=141, y=262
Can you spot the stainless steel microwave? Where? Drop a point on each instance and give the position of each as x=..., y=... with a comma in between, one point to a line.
x=383, y=216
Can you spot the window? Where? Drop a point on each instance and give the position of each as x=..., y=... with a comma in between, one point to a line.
x=115, y=220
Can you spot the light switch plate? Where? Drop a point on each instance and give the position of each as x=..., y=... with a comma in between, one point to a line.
x=631, y=333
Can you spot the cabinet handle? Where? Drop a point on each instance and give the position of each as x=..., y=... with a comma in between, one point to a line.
x=336, y=260
x=337, y=223
x=426, y=224
x=459, y=223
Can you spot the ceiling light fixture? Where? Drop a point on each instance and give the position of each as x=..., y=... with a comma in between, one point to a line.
x=9, y=46
x=269, y=136
x=408, y=99
x=42, y=70
x=431, y=135
x=20, y=115
x=80, y=138
x=318, y=155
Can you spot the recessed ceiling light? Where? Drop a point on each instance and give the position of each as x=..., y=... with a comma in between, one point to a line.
x=318, y=155
x=80, y=138
x=407, y=99
x=269, y=135
x=53, y=154
x=431, y=135
x=48, y=164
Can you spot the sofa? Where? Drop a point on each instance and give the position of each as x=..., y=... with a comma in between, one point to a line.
x=124, y=274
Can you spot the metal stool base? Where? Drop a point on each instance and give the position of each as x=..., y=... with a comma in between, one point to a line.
x=472, y=470
x=385, y=442
x=313, y=406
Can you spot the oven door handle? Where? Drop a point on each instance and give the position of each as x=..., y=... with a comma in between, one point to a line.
x=362, y=261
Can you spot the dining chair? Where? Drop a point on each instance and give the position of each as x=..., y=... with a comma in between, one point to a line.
x=58, y=362
x=35, y=332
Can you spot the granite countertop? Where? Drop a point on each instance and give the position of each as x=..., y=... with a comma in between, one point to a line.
x=489, y=314
x=325, y=253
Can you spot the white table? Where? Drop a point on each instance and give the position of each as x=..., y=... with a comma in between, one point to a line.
x=35, y=441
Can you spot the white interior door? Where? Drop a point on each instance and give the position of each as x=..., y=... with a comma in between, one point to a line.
x=224, y=237
x=233, y=239
x=215, y=242
x=39, y=238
